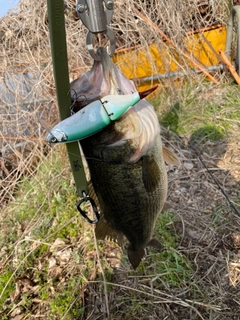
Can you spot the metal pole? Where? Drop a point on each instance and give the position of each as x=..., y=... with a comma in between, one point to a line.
x=176, y=74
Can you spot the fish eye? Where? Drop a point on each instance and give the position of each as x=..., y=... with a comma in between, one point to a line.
x=53, y=139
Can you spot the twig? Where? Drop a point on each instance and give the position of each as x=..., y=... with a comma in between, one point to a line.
x=21, y=138
x=103, y=274
x=229, y=65
x=169, y=299
x=217, y=183
x=217, y=26
x=211, y=46
x=170, y=41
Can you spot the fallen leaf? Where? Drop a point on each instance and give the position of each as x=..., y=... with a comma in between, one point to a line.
x=58, y=243
x=51, y=262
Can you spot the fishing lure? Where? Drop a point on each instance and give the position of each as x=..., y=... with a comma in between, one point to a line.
x=93, y=118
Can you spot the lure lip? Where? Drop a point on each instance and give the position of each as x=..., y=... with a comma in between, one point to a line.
x=144, y=94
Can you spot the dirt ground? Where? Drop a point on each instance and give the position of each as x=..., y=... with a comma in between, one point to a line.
x=209, y=228
x=208, y=231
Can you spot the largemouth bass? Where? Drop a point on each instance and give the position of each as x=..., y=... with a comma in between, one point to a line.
x=125, y=160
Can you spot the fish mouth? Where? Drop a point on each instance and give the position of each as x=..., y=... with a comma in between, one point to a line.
x=110, y=75
x=109, y=70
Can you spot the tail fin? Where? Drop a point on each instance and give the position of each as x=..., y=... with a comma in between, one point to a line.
x=135, y=256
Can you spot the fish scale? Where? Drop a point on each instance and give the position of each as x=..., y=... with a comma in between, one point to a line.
x=126, y=205
x=131, y=210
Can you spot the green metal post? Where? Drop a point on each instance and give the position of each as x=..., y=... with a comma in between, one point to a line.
x=61, y=76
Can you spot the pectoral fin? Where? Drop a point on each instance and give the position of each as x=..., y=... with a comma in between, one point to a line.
x=151, y=174
x=169, y=157
x=104, y=231
x=92, y=193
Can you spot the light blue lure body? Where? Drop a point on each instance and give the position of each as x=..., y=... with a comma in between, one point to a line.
x=92, y=118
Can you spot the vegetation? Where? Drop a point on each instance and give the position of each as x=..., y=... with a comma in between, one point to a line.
x=205, y=113
x=51, y=266
x=50, y=243
x=50, y=257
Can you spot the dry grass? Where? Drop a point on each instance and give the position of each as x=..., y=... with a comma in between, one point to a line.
x=51, y=267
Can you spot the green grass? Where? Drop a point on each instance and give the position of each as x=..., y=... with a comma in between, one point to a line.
x=195, y=111
x=62, y=301
x=47, y=200
x=5, y=276
x=210, y=132
x=44, y=210
x=50, y=214
x=171, y=266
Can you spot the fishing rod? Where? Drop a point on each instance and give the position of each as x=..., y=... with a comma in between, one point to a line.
x=96, y=18
x=61, y=77
x=217, y=183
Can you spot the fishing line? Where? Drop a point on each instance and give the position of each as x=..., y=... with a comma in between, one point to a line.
x=216, y=182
